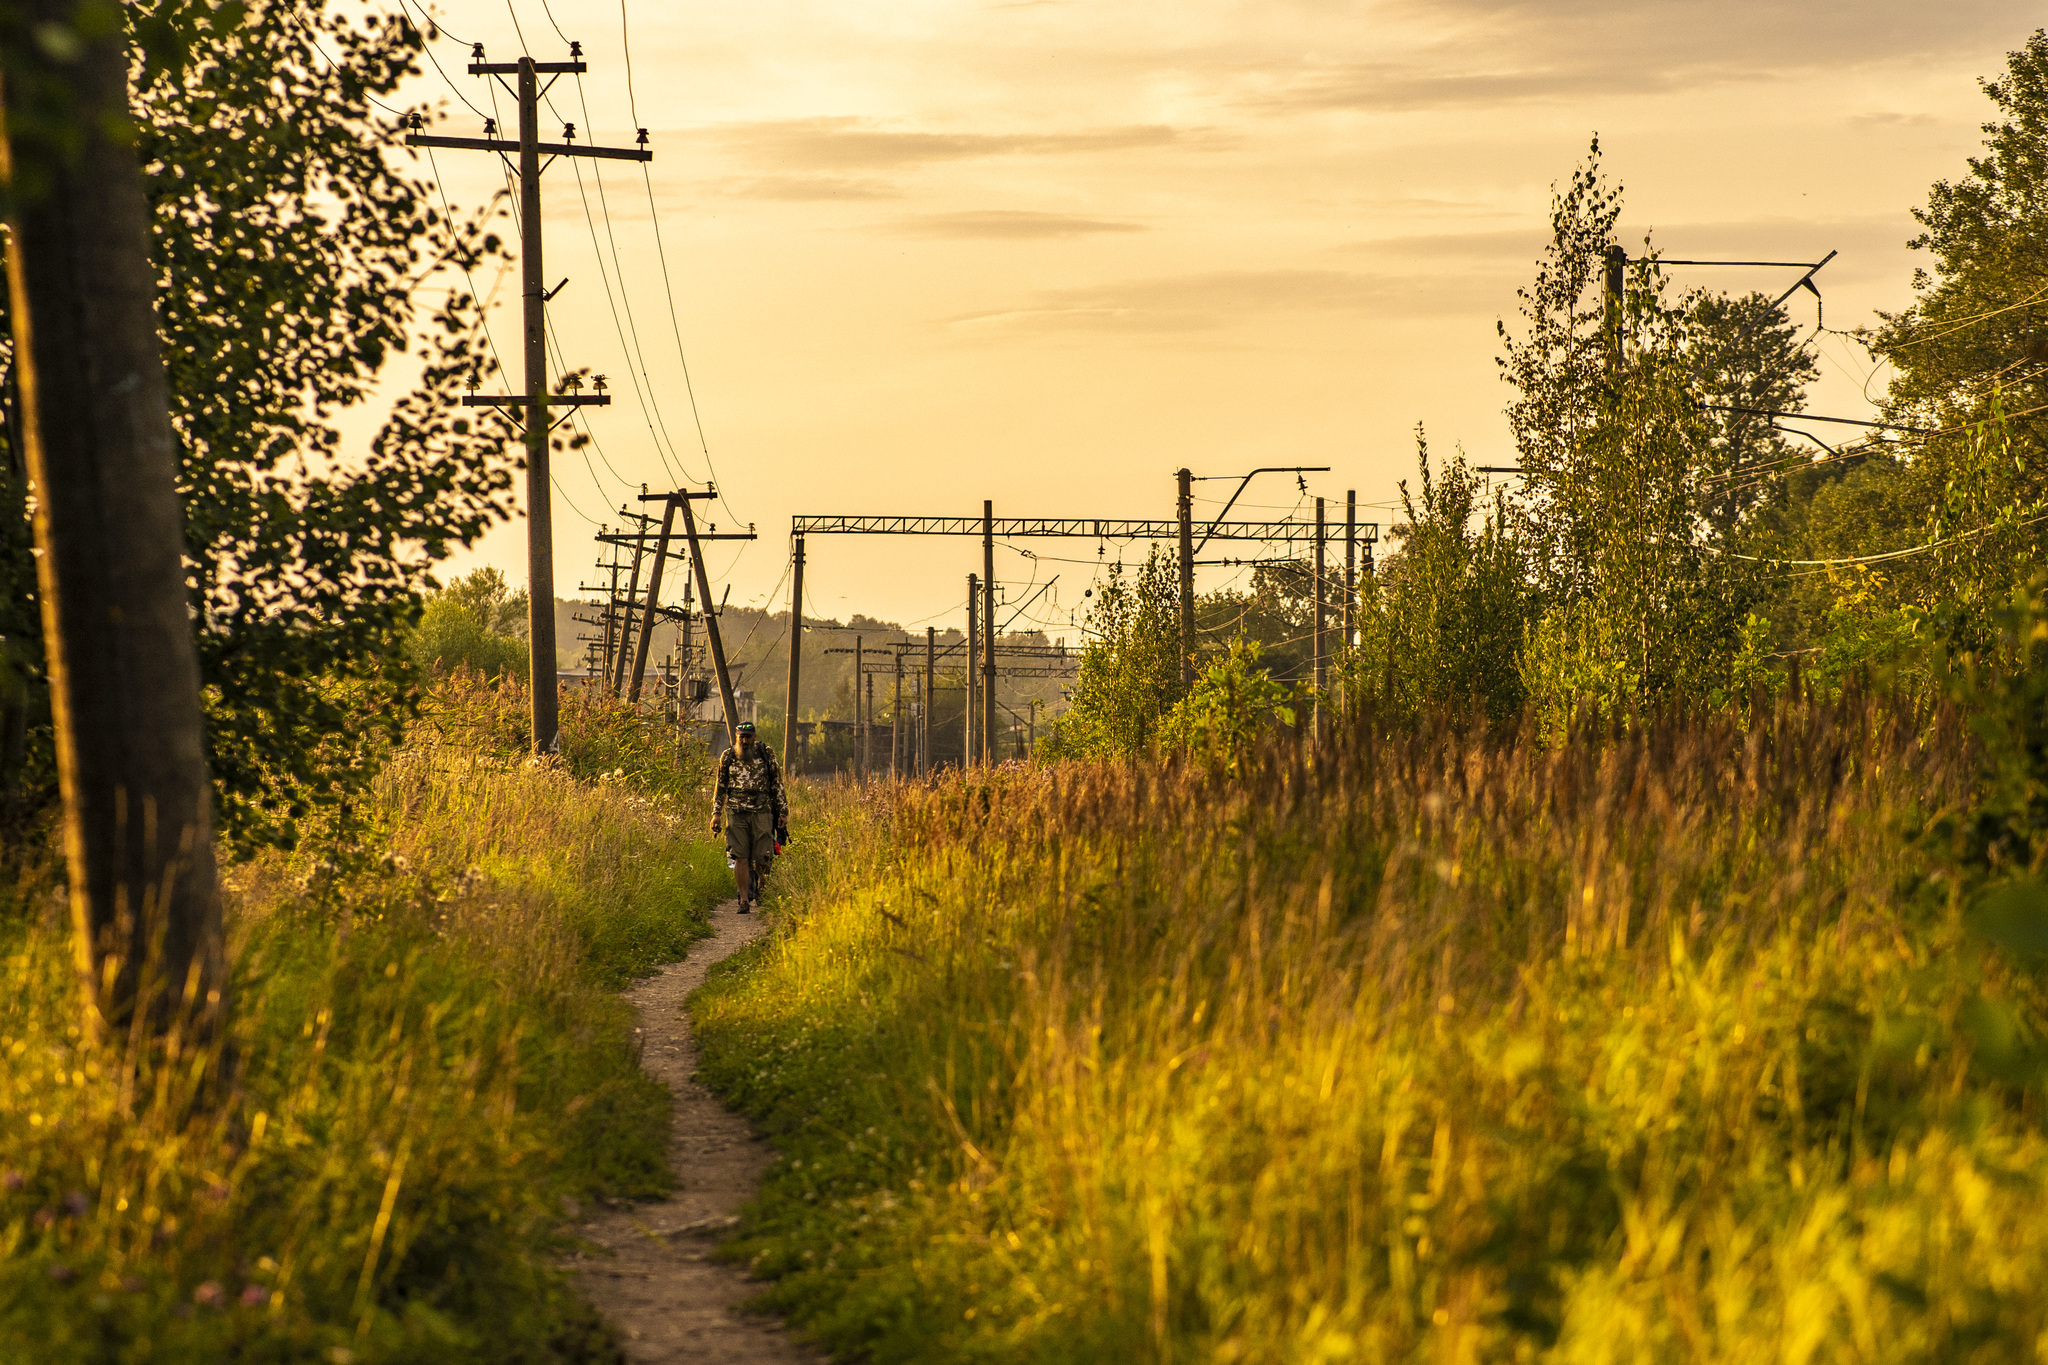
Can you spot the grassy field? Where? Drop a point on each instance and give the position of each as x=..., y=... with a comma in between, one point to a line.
x=1448, y=1046
x=433, y=1067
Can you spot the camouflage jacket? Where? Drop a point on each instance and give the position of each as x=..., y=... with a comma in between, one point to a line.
x=750, y=782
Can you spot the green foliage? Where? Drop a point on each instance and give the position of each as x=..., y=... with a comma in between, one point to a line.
x=1449, y=1046
x=431, y=1061
x=292, y=246
x=1625, y=475
x=1970, y=498
x=473, y=623
x=1975, y=332
x=603, y=739
x=1234, y=702
x=1444, y=620
x=1130, y=669
x=1743, y=352
x=1277, y=613
x=490, y=601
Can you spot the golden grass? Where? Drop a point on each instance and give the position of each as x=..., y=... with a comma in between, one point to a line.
x=1437, y=1046
x=429, y=1060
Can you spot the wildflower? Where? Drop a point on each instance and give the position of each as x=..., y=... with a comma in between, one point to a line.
x=132, y=1284
x=12, y=1180
x=62, y=1274
x=209, y=1294
x=254, y=1296
x=76, y=1204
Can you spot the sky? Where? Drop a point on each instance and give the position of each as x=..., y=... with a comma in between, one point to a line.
x=920, y=254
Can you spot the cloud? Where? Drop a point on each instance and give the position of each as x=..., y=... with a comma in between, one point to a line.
x=1895, y=120
x=1518, y=245
x=1484, y=53
x=810, y=187
x=1187, y=303
x=1007, y=224
x=840, y=144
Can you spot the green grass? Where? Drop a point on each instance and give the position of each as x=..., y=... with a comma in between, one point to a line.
x=432, y=1059
x=1439, y=1046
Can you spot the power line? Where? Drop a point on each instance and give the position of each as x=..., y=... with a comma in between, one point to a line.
x=551, y=21
x=517, y=31
x=428, y=48
x=675, y=323
x=635, y=356
x=1889, y=554
x=625, y=43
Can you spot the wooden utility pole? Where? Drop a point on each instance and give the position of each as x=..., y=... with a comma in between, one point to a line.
x=1350, y=574
x=711, y=631
x=796, y=653
x=896, y=754
x=540, y=515
x=668, y=525
x=663, y=552
x=1614, y=314
x=684, y=656
x=1322, y=673
x=988, y=630
x=1186, y=506
x=535, y=402
x=931, y=658
x=109, y=537
x=968, y=727
x=860, y=723
x=626, y=615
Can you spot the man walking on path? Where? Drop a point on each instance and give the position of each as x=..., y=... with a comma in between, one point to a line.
x=750, y=803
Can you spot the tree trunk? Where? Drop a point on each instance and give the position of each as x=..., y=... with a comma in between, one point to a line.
x=102, y=459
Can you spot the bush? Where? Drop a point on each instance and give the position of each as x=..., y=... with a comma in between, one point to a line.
x=1234, y=703
x=1130, y=668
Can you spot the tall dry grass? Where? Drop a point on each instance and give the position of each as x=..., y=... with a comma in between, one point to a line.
x=430, y=1059
x=1444, y=1045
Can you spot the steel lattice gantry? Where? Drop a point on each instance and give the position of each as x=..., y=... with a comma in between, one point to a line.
x=1085, y=528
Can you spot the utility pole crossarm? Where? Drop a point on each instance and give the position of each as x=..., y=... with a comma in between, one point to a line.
x=520, y=400
x=620, y=538
x=573, y=68
x=509, y=148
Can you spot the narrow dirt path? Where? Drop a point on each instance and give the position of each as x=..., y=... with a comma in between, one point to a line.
x=650, y=1275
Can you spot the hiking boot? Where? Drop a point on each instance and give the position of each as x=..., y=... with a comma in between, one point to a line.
x=745, y=906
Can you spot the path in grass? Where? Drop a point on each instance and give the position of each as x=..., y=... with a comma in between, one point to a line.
x=649, y=1270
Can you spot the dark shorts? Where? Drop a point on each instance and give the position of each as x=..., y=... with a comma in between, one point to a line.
x=750, y=834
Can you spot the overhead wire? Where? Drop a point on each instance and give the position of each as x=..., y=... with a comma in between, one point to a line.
x=635, y=353
x=668, y=288
x=313, y=39
x=433, y=27
x=428, y=48
x=636, y=363
x=1975, y=318
x=521, y=33
x=551, y=21
x=632, y=104
x=1887, y=555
